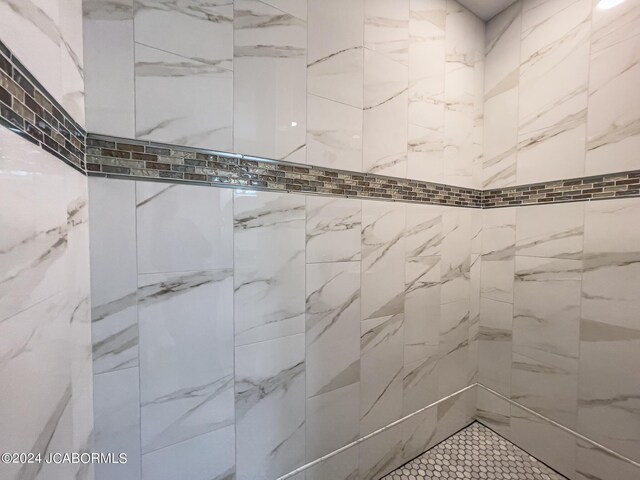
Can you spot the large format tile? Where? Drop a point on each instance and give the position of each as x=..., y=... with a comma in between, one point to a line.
x=201, y=31
x=456, y=254
x=183, y=228
x=553, y=89
x=183, y=101
x=333, y=229
x=384, y=144
x=494, y=345
x=207, y=456
x=386, y=28
x=113, y=284
x=423, y=235
x=117, y=422
x=332, y=326
x=335, y=62
x=551, y=326
x=550, y=231
x=383, y=253
x=426, y=89
x=270, y=408
x=498, y=248
x=421, y=307
x=610, y=334
x=72, y=71
x=110, y=106
x=502, y=70
x=186, y=355
x=269, y=259
x=332, y=420
x=269, y=64
x=334, y=134
x=454, y=366
x=613, y=122
x=381, y=373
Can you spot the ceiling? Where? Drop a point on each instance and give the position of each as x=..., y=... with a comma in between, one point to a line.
x=486, y=9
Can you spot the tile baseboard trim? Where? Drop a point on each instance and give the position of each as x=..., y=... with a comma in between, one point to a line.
x=326, y=457
x=552, y=422
x=30, y=111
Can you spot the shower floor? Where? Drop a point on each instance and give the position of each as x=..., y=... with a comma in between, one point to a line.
x=475, y=452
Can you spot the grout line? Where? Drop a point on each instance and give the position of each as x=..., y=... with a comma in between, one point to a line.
x=293, y=473
x=568, y=430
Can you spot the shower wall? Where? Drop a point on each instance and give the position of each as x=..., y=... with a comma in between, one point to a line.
x=560, y=92
x=45, y=353
x=395, y=88
x=559, y=329
x=285, y=325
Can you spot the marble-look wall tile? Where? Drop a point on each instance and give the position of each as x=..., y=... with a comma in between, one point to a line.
x=420, y=381
x=332, y=421
x=334, y=134
x=596, y=464
x=502, y=69
x=72, y=75
x=113, y=284
x=383, y=252
x=381, y=372
x=269, y=45
x=343, y=466
x=498, y=249
x=454, y=414
x=550, y=231
x=335, y=62
x=386, y=28
x=544, y=441
x=36, y=22
x=197, y=101
x=610, y=333
x=117, y=422
x=464, y=44
x=204, y=457
x=456, y=254
x=614, y=25
x=423, y=234
x=613, y=122
x=553, y=89
x=110, y=106
x=421, y=307
x=332, y=326
x=493, y=412
x=427, y=20
x=333, y=229
x=454, y=364
x=381, y=454
x=384, y=144
x=269, y=261
x=201, y=31
x=551, y=326
x=270, y=399
x=494, y=345
x=183, y=228
x=186, y=356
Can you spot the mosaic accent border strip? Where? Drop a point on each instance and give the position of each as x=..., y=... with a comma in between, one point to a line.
x=28, y=109
x=148, y=160
x=596, y=187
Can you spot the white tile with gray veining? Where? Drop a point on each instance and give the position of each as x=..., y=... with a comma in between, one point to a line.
x=270, y=407
x=553, y=89
x=386, y=28
x=186, y=355
x=335, y=62
x=112, y=205
x=181, y=228
x=333, y=229
x=269, y=120
x=381, y=371
x=201, y=31
x=197, y=100
x=332, y=326
x=383, y=253
x=269, y=262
